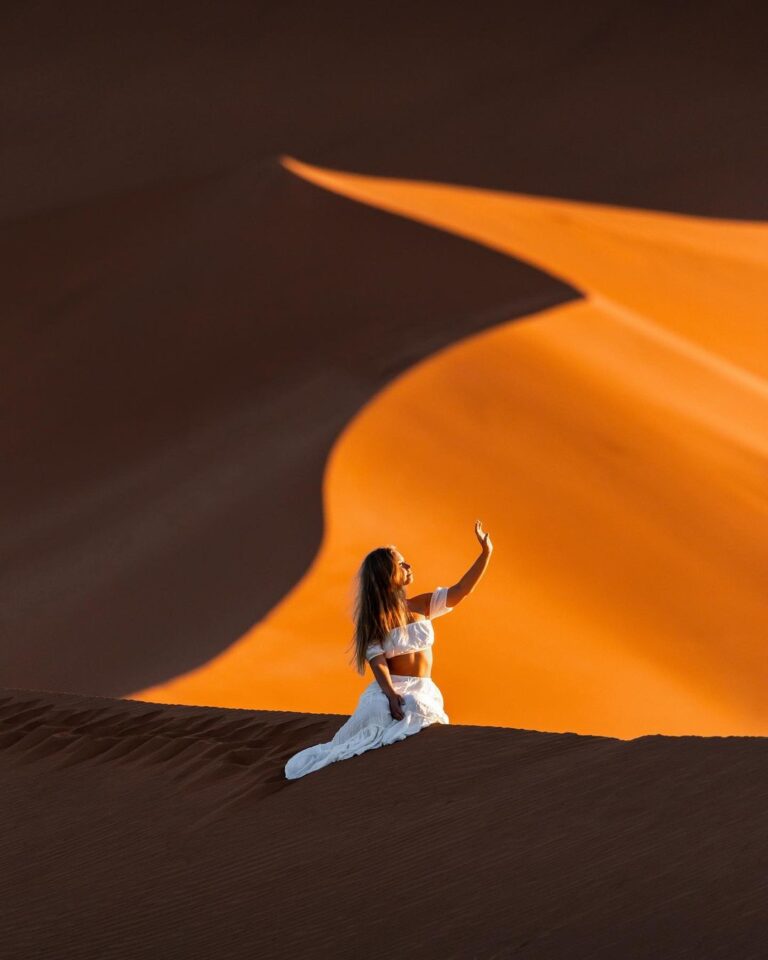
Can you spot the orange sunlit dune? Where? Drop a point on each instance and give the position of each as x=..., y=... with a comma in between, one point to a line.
x=614, y=448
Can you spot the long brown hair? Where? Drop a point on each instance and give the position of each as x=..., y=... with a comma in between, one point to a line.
x=379, y=602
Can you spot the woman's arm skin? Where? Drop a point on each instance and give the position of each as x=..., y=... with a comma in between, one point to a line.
x=382, y=674
x=469, y=581
x=384, y=679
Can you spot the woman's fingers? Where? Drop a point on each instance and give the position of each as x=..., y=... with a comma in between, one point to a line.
x=396, y=705
x=396, y=710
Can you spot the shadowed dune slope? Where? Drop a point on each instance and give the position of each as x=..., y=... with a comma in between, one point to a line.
x=136, y=830
x=651, y=105
x=179, y=361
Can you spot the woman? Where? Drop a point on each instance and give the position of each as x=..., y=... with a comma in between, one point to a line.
x=395, y=636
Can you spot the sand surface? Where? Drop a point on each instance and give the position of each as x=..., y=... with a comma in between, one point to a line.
x=659, y=106
x=137, y=830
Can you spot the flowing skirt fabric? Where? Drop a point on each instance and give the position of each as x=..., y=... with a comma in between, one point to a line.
x=372, y=725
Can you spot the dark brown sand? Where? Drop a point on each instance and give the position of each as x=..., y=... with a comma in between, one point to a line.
x=141, y=830
x=655, y=105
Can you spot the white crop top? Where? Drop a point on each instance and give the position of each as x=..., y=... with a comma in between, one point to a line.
x=417, y=635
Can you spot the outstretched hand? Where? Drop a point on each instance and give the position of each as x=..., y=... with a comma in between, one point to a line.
x=484, y=538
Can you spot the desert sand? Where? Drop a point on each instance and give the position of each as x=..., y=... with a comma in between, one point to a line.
x=141, y=830
x=281, y=283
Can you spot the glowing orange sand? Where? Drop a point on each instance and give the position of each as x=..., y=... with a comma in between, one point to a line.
x=616, y=450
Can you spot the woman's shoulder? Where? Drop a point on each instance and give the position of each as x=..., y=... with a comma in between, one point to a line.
x=419, y=605
x=429, y=605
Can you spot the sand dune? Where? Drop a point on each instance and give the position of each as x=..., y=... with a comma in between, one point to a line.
x=618, y=446
x=177, y=305
x=176, y=387
x=137, y=830
x=277, y=278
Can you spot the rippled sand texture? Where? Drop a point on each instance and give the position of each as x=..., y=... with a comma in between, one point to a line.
x=133, y=830
x=615, y=447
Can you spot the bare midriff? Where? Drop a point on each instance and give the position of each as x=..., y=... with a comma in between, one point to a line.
x=416, y=664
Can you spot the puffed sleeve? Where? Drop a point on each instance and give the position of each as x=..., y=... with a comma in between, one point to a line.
x=374, y=650
x=438, y=605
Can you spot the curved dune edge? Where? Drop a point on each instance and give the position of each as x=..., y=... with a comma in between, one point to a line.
x=618, y=452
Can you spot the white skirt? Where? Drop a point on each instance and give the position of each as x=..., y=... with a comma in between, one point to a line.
x=372, y=725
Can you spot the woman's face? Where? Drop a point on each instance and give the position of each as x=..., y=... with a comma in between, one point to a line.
x=406, y=574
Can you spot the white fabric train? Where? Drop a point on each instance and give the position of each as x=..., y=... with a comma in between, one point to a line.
x=372, y=725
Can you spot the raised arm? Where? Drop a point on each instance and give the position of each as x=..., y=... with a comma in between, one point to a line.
x=469, y=581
